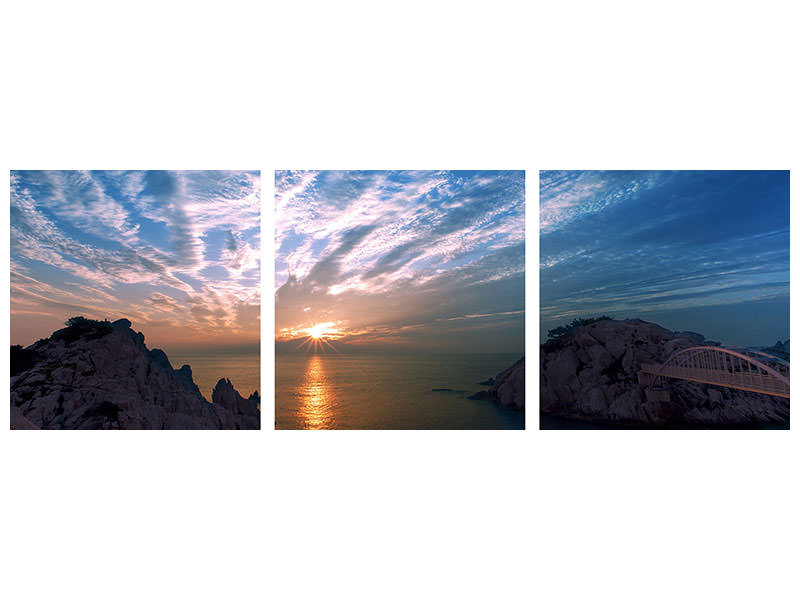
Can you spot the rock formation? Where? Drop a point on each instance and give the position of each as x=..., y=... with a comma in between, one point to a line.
x=507, y=388
x=590, y=373
x=779, y=349
x=100, y=375
x=235, y=407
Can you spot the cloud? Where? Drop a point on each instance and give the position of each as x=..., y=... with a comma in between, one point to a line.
x=365, y=249
x=636, y=243
x=135, y=242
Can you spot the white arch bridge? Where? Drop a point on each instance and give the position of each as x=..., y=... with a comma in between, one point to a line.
x=741, y=369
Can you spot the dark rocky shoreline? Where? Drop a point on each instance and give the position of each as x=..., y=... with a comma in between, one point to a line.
x=589, y=374
x=100, y=375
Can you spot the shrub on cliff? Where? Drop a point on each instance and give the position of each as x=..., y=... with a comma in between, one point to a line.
x=81, y=327
x=559, y=333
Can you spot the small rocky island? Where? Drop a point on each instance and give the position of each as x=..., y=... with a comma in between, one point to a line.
x=589, y=373
x=100, y=375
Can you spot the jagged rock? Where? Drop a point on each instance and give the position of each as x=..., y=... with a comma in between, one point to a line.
x=779, y=349
x=226, y=396
x=96, y=375
x=591, y=373
x=159, y=357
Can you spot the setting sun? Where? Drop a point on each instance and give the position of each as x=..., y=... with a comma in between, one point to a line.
x=320, y=330
x=385, y=283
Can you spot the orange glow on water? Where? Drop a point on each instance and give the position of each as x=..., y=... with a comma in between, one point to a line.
x=316, y=410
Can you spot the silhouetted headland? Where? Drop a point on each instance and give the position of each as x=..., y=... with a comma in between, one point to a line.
x=100, y=375
x=589, y=373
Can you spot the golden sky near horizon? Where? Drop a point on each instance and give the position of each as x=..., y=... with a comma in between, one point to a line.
x=176, y=253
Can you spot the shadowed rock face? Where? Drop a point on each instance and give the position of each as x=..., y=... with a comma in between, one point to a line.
x=591, y=374
x=508, y=387
x=104, y=377
x=234, y=405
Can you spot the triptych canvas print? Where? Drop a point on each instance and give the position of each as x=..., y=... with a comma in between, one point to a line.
x=399, y=299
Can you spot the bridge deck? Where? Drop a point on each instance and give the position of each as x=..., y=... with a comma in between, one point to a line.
x=750, y=382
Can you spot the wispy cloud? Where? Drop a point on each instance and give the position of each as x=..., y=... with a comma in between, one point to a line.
x=374, y=249
x=641, y=244
x=177, y=248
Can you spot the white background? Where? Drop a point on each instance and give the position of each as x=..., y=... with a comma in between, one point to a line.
x=556, y=514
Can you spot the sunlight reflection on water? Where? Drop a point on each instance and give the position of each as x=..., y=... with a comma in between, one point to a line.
x=316, y=410
x=332, y=391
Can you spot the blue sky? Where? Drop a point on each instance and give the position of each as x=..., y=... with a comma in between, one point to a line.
x=176, y=252
x=422, y=259
x=706, y=251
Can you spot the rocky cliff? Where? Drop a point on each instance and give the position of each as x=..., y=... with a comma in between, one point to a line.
x=506, y=388
x=100, y=375
x=590, y=373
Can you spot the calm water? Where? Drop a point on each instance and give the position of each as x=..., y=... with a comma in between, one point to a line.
x=244, y=370
x=388, y=392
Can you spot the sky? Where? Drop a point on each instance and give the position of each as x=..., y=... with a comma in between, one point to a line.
x=176, y=253
x=401, y=260
x=704, y=251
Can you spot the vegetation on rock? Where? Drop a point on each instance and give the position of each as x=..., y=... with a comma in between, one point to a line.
x=559, y=333
x=81, y=327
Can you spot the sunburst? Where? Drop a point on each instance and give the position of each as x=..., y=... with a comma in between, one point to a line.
x=317, y=334
x=318, y=330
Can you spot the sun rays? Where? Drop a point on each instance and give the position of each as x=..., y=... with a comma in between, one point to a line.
x=380, y=252
x=315, y=340
x=320, y=330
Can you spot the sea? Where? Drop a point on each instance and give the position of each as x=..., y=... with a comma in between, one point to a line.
x=244, y=371
x=344, y=391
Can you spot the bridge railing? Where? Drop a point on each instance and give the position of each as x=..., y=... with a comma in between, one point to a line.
x=722, y=366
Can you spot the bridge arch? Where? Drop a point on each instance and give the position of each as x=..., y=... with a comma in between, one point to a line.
x=748, y=370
